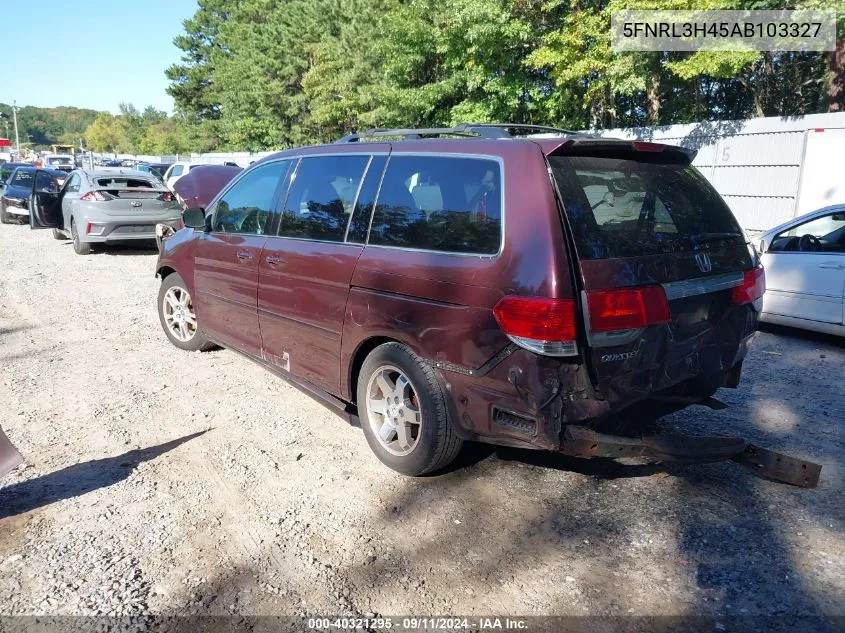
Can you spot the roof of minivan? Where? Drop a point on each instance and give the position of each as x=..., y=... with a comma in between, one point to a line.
x=494, y=147
x=472, y=145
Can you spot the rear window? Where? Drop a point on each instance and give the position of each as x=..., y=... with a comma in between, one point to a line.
x=125, y=183
x=440, y=203
x=626, y=208
x=23, y=177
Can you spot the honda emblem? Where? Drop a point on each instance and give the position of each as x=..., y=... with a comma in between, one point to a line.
x=704, y=263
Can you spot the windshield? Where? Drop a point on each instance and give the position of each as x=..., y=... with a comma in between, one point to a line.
x=59, y=160
x=626, y=208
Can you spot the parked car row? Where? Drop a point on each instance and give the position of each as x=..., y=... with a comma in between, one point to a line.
x=514, y=291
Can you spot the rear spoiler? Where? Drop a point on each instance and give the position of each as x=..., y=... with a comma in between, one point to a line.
x=616, y=148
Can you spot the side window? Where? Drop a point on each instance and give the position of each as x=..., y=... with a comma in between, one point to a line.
x=322, y=197
x=820, y=235
x=73, y=184
x=46, y=182
x=438, y=203
x=246, y=206
x=360, y=222
x=176, y=170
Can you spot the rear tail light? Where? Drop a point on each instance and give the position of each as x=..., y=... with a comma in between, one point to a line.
x=93, y=196
x=166, y=197
x=544, y=326
x=752, y=288
x=627, y=308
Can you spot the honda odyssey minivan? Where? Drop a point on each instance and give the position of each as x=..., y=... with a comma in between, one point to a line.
x=459, y=284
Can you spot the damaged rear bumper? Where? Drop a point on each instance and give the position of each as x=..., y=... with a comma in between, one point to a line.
x=582, y=442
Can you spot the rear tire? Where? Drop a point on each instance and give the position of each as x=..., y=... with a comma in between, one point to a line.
x=402, y=409
x=177, y=316
x=79, y=247
x=58, y=235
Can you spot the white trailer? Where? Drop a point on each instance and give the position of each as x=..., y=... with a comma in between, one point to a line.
x=769, y=170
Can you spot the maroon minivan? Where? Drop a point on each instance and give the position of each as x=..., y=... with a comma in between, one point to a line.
x=459, y=284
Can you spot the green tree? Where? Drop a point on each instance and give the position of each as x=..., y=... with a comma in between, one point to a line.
x=108, y=133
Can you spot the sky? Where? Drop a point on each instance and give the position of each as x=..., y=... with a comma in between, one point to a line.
x=90, y=53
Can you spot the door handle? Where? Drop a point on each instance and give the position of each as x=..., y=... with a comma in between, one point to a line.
x=832, y=265
x=273, y=260
x=243, y=255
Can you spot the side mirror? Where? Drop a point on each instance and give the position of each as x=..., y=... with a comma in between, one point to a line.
x=194, y=218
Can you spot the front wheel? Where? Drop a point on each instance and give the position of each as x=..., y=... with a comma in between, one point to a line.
x=403, y=412
x=4, y=217
x=177, y=315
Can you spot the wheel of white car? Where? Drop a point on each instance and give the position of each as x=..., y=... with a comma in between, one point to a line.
x=79, y=247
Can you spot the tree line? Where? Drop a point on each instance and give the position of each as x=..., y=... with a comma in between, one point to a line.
x=259, y=74
x=268, y=74
x=42, y=127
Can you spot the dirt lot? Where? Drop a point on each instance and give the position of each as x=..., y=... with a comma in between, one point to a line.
x=160, y=481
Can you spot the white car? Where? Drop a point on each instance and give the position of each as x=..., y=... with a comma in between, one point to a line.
x=804, y=261
x=64, y=162
x=176, y=171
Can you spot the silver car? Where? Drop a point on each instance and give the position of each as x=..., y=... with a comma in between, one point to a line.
x=103, y=206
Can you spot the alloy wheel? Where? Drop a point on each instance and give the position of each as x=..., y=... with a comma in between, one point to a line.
x=178, y=311
x=393, y=411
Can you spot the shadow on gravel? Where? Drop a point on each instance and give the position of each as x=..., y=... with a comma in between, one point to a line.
x=802, y=335
x=125, y=249
x=4, y=331
x=80, y=478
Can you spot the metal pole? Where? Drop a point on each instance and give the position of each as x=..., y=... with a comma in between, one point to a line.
x=17, y=138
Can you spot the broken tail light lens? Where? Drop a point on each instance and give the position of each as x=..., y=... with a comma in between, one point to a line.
x=752, y=288
x=93, y=196
x=627, y=308
x=166, y=197
x=540, y=325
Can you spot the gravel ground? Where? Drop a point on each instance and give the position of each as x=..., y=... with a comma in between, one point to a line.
x=165, y=482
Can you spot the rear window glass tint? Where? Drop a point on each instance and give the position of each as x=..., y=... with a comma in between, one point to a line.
x=440, y=203
x=124, y=183
x=626, y=208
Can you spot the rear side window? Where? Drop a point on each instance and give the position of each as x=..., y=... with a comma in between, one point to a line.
x=322, y=197
x=23, y=178
x=176, y=170
x=440, y=203
x=626, y=208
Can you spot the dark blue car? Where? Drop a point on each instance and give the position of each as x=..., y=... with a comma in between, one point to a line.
x=15, y=200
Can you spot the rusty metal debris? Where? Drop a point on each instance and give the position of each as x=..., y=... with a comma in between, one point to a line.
x=779, y=467
x=580, y=441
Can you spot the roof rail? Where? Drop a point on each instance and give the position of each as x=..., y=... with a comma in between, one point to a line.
x=472, y=130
